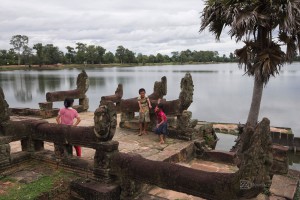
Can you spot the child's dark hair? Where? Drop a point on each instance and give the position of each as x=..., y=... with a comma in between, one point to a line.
x=142, y=90
x=161, y=107
x=68, y=102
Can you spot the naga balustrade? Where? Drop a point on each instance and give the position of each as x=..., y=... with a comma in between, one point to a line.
x=111, y=166
x=46, y=108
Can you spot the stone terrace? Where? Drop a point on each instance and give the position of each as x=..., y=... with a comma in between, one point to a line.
x=147, y=146
x=173, y=150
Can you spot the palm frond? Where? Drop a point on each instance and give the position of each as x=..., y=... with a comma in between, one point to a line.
x=268, y=62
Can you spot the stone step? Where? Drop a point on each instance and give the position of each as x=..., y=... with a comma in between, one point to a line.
x=90, y=189
x=6, y=139
x=284, y=187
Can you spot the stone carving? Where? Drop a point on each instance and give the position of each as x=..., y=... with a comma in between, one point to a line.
x=105, y=118
x=78, y=93
x=116, y=98
x=187, y=91
x=160, y=89
x=185, y=126
x=46, y=108
x=4, y=114
x=177, y=108
x=255, y=161
x=255, y=157
x=82, y=82
x=131, y=105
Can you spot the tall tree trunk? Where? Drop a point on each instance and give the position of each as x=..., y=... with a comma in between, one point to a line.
x=255, y=103
x=19, y=58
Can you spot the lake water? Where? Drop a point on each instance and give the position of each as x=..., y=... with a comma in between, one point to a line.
x=222, y=93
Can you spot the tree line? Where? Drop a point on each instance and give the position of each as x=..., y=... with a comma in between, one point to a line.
x=49, y=54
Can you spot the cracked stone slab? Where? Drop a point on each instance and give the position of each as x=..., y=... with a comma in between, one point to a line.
x=283, y=186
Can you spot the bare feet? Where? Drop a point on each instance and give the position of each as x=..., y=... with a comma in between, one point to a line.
x=140, y=134
x=161, y=142
x=145, y=132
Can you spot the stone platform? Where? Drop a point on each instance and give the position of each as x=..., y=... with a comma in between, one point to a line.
x=173, y=150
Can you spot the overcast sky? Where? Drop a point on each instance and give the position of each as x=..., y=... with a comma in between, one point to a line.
x=143, y=26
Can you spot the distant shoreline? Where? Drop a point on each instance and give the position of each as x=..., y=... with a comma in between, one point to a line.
x=82, y=66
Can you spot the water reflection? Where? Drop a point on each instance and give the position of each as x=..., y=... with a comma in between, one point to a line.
x=294, y=160
x=195, y=71
x=226, y=142
x=41, y=82
x=22, y=87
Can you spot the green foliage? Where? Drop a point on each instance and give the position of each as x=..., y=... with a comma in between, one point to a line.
x=297, y=194
x=19, y=42
x=109, y=57
x=209, y=139
x=49, y=54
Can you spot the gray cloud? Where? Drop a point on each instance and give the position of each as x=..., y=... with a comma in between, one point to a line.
x=148, y=27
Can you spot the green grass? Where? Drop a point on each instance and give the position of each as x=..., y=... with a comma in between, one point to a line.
x=34, y=189
x=297, y=195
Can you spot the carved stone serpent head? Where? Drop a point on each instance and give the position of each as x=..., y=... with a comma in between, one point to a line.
x=105, y=118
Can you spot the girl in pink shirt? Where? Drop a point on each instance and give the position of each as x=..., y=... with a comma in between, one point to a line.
x=162, y=123
x=66, y=116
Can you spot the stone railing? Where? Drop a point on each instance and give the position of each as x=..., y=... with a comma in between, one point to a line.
x=127, y=171
x=33, y=134
x=180, y=124
x=46, y=108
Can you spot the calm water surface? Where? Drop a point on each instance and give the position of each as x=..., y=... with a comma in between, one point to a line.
x=222, y=92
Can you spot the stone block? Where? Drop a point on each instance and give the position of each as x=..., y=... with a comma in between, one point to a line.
x=4, y=155
x=48, y=113
x=38, y=145
x=297, y=143
x=280, y=160
x=284, y=139
x=20, y=157
x=127, y=116
x=290, y=140
x=79, y=108
x=84, y=103
x=46, y=105
x=276, y=137
x=188, y=134
x=132, y=124
x=89, y=189
x=220, y=156
x=283, y=186
x=280, y=153
x=5, y=139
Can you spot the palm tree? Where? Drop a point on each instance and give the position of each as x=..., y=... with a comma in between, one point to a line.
x=263, y=25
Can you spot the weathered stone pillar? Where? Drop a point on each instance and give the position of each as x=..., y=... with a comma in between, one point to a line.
x=27, y=145
x=46, y=109
x=183, y=120
x=61, y=151
x=130, y=188
x=127, y=116
x=4, y=155
x=187, y=92
x=84, y=102
x=102, y=159
x=38, y=145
